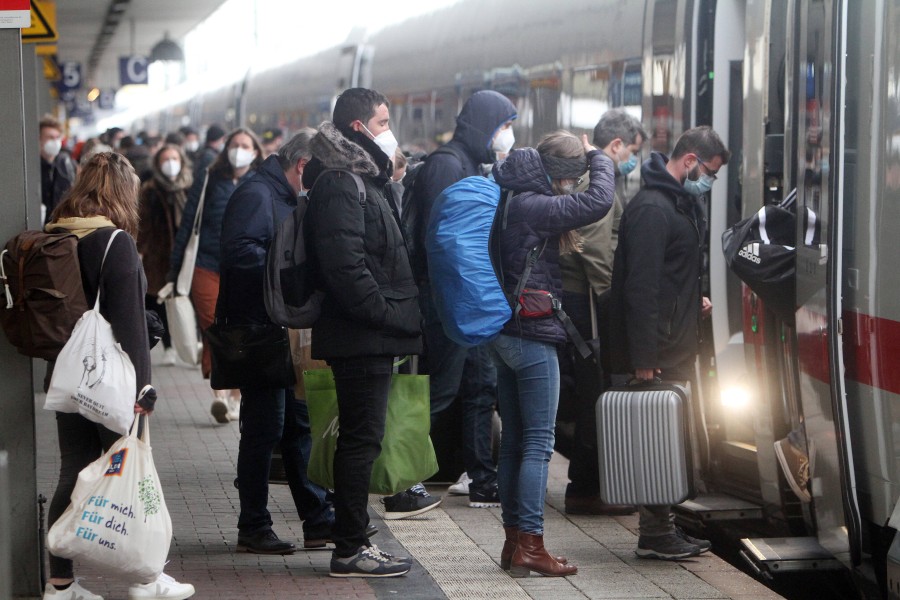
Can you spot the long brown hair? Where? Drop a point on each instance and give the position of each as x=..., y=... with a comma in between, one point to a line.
x=222, y=166
x=563, y=144
x=106, y=186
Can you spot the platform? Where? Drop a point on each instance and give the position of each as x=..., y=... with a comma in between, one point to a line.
x=456, y=548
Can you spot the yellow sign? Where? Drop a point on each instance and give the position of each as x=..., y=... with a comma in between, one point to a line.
x=51, y=69
x=43, y=23
x=46, y=49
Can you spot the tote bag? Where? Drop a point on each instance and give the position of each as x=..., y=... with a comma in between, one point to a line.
x=183, y=328
x=407, y=455
x=93, y=376
x=117, y=522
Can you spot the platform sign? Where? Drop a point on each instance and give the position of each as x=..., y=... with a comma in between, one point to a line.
x=15, y=14
x=43, y=23
x=107, y=100
x=71, y=76
x=133, y=70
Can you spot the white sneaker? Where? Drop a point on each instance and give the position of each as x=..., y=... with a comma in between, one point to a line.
x=234, y=406
x=164, y=588
x=461, y=487
x=73, y=592
x=219, y=407
x=170, y=356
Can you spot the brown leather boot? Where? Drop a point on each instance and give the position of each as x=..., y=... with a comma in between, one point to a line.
x=509, y=547
x=530, y=555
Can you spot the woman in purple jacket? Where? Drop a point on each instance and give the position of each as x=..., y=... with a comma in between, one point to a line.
x=543, y=213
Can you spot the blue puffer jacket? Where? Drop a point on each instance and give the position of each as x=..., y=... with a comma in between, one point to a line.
x=535, y=215
x=218, y=192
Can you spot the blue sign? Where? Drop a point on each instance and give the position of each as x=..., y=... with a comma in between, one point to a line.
x=70, y=76
x=107, y=100
x=133, y=70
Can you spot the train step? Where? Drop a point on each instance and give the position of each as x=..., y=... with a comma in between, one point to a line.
x=771, y=556
x=716, y=507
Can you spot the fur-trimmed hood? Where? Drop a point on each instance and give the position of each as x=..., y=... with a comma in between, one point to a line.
x=335, y=151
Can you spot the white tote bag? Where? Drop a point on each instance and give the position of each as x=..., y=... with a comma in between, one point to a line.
x=117, y=522
x=93, y=376
x=186, y=273
x=183, y=328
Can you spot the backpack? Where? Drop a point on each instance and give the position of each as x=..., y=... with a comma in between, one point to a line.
x=289, y=291
x=44, y=296
x=463, y=261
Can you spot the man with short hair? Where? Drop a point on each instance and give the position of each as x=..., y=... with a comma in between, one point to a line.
x=271, y=140
x=370, y=312
x=619, y=136
x=656, y=299
x=57, y=166
x=191, y=144
x=215, y=141
x=269, y=417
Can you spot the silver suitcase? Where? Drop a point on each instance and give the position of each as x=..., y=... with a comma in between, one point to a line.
x=643, y=440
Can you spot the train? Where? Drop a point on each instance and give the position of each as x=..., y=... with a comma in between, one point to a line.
x=806, y=94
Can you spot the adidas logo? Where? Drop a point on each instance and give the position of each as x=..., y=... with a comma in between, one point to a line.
x=751, y=252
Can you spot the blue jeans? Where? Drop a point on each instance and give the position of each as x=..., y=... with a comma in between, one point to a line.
x=270, y=418
x=528, y=384
x=469, y=374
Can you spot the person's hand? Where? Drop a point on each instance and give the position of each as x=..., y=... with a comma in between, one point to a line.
x=140, y=410
x=166, y=291
x=587, y=145
x=705, y=307
x=646, y=374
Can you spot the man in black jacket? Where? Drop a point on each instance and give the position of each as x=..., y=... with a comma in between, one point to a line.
x=269, y=417
x=656, y=299
x=370, y=312
x=483, y=130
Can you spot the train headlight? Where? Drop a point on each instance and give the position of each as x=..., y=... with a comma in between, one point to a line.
x=735, y=397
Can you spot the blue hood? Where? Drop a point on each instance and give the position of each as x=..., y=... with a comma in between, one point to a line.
x=478, y=121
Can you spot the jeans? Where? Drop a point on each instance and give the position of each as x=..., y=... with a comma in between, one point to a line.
x=270, y=418
x=362, y=385
x=528, y=384
x=81, y=442
x=467, y=374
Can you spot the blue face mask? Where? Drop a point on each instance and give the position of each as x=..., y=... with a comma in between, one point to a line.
x=627, y=166
x=698, y=187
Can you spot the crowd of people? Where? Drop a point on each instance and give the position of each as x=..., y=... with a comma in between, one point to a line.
x=626, y=273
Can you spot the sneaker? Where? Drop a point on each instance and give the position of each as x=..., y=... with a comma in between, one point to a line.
x=795, y=465
x=164, y=588
x=461, y=487
x=665, y=547
x=367, y=562
x=408, y=503
x=170, y=356
x=264, y=542
x=704, y=545
x=488, y=497
x=219, y=407
x=234, y=406
x=387, y=555
x=73, y=592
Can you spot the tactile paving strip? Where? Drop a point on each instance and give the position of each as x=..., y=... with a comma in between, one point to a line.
x=457, y=564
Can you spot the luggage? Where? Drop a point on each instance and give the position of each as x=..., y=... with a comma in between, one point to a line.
x=644, y=444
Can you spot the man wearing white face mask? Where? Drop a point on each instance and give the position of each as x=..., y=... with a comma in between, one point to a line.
x=57, y=167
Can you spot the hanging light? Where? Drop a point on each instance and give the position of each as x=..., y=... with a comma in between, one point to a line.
x=166, y=50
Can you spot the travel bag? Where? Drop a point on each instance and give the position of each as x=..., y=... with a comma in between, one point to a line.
x=644, y=444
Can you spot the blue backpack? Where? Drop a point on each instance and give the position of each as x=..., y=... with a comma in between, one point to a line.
x=463, y=261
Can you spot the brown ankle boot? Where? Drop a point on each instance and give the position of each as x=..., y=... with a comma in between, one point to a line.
x=530, y=555
x=509, y=547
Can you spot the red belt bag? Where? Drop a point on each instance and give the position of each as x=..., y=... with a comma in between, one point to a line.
x=536, y=303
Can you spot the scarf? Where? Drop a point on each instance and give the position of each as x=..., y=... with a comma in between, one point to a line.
x=80, y=226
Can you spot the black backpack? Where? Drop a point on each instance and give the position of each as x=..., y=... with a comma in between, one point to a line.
x=291, y=297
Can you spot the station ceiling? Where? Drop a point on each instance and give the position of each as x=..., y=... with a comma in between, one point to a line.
x=100, y=31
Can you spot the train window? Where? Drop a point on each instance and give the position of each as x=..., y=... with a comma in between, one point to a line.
x=590, y=96
x=663, y=76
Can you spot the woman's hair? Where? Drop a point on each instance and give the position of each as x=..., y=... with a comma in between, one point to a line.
x=221, y=166
x=562, y=153
x=106, y=186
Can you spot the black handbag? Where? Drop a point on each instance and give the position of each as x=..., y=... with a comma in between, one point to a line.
x=249, y=355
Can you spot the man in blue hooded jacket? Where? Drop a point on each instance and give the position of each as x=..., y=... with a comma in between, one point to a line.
x=483, y=132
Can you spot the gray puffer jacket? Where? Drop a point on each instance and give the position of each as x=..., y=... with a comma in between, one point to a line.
x=535, y=215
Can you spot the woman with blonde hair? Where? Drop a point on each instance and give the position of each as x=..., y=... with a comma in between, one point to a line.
x=542, y=214
x=104, y=199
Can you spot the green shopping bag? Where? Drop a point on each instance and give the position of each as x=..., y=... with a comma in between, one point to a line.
x=407, y=456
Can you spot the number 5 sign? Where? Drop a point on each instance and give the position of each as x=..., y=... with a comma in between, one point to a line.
x=70, y=76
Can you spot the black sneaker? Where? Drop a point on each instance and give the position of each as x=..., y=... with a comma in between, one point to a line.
x=488, y=497
x=367, y=562
x=665, y=547
x=320, y=537
x=265, y=542
x=409, y=503
x=704, y=545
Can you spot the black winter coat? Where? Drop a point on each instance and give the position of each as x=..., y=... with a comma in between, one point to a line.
x=535, y=215
x=247, y=231
x=655, y=297
x=371, y=301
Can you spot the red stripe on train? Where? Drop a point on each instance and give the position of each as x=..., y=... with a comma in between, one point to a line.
x=871, y=350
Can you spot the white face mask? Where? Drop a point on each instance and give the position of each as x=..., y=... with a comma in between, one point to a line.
x=385, y=140
x=171, y=168
x=503, y=141
x=240, y=158
x=51, y=148
x=192, y=146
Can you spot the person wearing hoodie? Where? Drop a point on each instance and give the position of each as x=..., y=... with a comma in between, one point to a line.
x=238, y=160
x=269, y=417
x=57, y=167
x=162, y=201
x=656, y=301
x=483, y=130
x=370, y=312
x=541, y=216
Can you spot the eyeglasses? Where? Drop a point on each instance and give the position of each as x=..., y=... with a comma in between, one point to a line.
x=709, y=172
